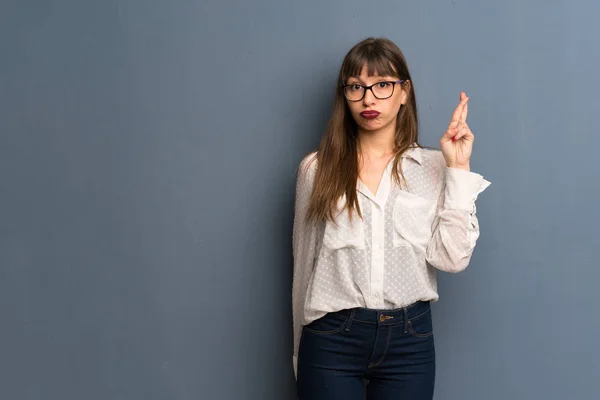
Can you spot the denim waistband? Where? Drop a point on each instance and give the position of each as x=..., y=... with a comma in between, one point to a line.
x=386, y=317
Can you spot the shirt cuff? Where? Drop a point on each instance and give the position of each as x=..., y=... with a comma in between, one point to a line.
x=462, y=189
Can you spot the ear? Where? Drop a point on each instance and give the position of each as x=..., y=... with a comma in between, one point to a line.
x=405, y=86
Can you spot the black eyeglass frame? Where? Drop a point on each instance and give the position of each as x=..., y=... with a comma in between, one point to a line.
x=365, y=88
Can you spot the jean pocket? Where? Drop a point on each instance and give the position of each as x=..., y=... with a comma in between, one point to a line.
x=327, y=325
x=421, y=326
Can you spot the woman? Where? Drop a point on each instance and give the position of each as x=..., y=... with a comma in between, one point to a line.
x=376, y=215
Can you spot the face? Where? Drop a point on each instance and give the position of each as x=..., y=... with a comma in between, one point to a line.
x=371, y=113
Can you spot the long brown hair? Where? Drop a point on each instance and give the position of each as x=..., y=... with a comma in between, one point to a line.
x=337, y=156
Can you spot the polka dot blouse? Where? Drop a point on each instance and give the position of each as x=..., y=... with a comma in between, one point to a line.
x=388, y=259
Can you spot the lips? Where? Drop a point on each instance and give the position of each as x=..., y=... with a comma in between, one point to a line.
x=370, y=114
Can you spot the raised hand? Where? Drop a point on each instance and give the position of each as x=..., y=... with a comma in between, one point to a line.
x=457, y=142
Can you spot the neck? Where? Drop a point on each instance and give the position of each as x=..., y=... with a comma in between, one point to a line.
x=379, y=143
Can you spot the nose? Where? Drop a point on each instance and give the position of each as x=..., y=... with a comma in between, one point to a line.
x=369, y=97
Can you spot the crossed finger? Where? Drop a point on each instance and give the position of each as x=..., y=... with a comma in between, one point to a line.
x=461, y=111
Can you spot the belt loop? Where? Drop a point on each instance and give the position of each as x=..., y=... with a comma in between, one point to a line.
x=405, y=320
x=350, y=319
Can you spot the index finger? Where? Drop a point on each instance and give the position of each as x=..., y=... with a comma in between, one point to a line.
x=465, y=111
x=456, y=117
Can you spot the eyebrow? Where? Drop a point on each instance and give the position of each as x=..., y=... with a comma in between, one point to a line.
x=379, y=79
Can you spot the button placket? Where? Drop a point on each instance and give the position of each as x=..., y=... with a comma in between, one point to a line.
x=377, y=259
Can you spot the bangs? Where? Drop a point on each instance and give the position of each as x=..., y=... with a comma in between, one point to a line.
x=376, y=63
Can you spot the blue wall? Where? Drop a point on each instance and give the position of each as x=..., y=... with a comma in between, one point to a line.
x=147, y=168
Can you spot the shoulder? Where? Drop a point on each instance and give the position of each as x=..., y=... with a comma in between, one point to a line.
x=433, y=165
x=433, y=161
x=433, y=158
x=306, y=169
x=309, y=161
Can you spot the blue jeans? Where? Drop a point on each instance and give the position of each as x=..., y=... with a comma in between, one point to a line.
x=392, y=350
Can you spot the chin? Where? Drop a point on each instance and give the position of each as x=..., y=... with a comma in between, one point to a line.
x=371, y=126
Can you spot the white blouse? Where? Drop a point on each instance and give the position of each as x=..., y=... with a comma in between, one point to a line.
x=387, y=259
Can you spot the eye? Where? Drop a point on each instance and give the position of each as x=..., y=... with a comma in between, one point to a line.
x=383, y=85
x=355, y=87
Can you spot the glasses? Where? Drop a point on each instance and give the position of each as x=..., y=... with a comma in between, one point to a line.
x=381, y=90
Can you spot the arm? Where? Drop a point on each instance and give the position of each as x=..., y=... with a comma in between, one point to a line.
x=456, y=228
x=304, y=243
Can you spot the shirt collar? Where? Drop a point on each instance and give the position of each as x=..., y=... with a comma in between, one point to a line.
x=414, y=152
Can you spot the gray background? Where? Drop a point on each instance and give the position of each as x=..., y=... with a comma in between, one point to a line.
x=147, y=167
